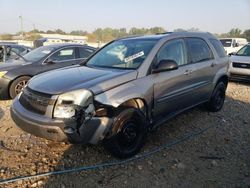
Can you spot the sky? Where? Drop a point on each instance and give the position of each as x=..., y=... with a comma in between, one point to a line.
x=215, y=16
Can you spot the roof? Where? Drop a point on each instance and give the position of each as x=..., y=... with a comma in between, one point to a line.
x=163, y=35
x=68, y=45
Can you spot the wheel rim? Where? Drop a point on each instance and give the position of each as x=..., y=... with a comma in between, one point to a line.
x=219, y=98
x=129, y=135
x=20, y=85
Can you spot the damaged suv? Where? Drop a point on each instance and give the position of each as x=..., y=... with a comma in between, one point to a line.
x=128, y=87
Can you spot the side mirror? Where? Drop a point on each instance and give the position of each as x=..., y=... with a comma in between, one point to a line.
x=232, y=53
x=49, y=62
x=165, y=65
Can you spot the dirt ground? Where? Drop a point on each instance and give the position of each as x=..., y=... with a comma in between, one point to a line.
x=220, y=157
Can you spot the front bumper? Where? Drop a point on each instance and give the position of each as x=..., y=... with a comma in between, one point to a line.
x=92, y=131
x=4, y=88
x=240, y=74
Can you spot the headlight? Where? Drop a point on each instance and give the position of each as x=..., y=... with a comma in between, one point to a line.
x=2, y=73
x=68, y=103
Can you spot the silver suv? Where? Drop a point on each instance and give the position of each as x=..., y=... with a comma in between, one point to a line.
x=128, y=87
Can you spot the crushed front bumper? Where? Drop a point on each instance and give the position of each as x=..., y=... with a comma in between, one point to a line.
x=92, y=131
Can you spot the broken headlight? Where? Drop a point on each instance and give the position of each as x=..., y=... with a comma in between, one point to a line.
x=69, y=103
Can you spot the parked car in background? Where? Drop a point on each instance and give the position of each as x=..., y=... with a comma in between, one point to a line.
x=129, y=86
x=240, y=64
x=15, y=74
x=9, y=51
x=232, y=45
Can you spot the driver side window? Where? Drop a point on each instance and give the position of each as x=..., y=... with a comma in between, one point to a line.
x=63, y=55
x=173, y=50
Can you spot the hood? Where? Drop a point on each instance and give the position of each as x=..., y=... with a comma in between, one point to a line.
x=12, y=65
x=80, y=77
x=240, y=59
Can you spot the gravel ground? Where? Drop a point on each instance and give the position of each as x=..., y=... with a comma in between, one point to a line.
x=220, y=157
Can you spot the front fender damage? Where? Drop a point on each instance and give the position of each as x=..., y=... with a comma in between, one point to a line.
x=89, y=125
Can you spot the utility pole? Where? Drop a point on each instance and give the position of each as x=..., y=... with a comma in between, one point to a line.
x=21, y=26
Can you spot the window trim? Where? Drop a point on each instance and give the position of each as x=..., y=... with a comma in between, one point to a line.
x=189, y=52
x=225, y=54
x=43, y=63
x=78, y=52
x=185, y=48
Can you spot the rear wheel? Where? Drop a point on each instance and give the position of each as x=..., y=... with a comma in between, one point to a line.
x=17, y=86
x=129, y=133
x=217, y=100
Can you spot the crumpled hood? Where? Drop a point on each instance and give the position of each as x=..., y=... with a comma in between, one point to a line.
x=80, y=77
x=240, y=59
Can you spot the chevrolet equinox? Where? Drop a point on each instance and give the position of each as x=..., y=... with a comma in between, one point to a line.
x=125, y=89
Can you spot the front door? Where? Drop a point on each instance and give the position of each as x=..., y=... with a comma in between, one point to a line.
x=173, y=89
x=62, y=58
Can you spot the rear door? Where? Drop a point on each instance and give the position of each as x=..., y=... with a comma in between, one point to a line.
x=61, y=58
x=202, y=58
x=173, y=90
x=82, y=53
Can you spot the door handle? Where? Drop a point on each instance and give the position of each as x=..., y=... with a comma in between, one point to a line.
x=187, y=72
x=213, y=64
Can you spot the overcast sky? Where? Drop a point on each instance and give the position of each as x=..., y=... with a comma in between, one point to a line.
x=216, y=16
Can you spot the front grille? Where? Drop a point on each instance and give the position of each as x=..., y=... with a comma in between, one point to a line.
x=35, y=101
x=241, y=65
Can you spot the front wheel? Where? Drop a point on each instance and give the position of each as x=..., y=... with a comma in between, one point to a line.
x=218, y=97
x=17, y=86
x=128, y=134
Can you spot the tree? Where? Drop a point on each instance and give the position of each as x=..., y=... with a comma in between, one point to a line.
x=179, y=30
x=236, y=32
x=50, y=32
x=193, y=29
x=59, y=31
x=78, y=32
x=155, y=30
x=246, y=34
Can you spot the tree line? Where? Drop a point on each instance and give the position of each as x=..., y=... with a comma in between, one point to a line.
x=108, y=34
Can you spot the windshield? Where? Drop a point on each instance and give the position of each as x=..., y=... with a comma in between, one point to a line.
x=123, y=54
x=226, y=42
x=38, y=54
x=244, y=51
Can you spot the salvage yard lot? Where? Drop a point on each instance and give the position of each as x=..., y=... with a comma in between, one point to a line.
x=220, y=157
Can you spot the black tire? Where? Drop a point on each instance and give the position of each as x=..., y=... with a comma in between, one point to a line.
x=129, y=133
x=17, y=85
x=217, y=99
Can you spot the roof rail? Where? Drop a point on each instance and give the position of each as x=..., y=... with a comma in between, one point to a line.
x=127, y=37
x=164, y=33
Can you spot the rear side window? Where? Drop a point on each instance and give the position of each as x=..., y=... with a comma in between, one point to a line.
x=199, y=50
x=218, y=47
x=85, y=52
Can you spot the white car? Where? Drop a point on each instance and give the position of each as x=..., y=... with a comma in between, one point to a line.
x=232, y=45
x=240, y=64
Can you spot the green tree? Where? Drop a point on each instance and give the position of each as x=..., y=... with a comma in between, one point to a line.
x=59, y=31
x=78, y=32
x=155, y=30
x=236, y=32
x=179, y=30
x=246, y=34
